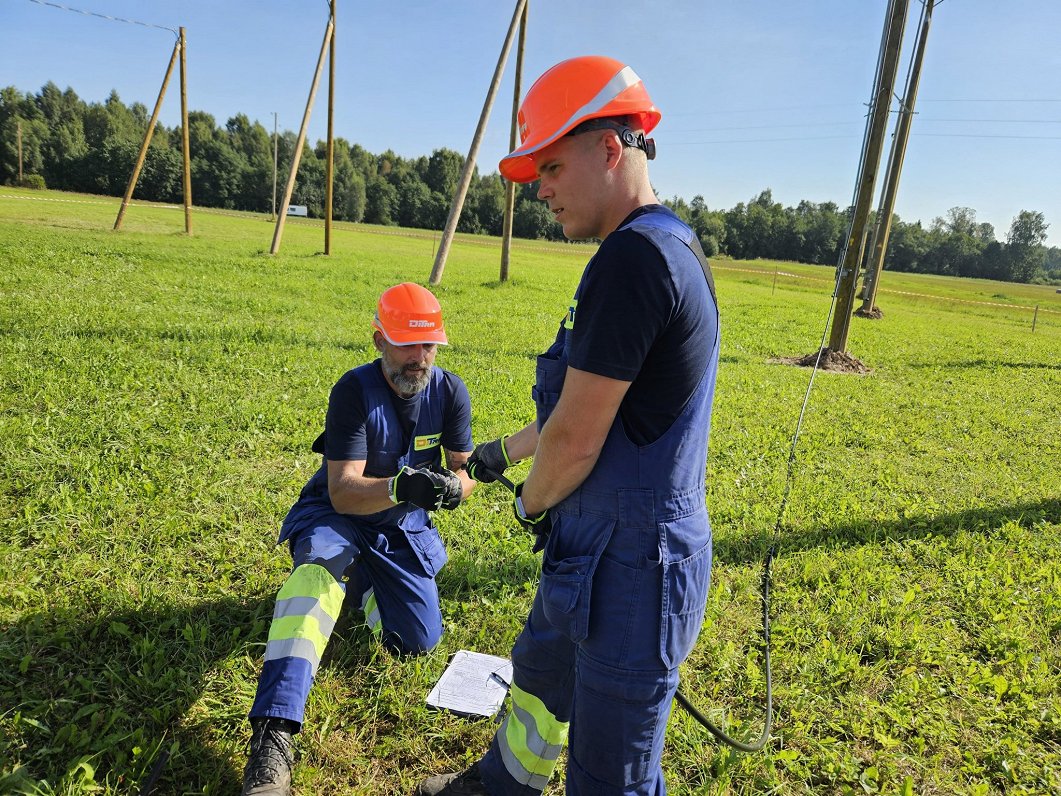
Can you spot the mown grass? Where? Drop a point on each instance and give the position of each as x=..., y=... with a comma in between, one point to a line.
x=158, y=396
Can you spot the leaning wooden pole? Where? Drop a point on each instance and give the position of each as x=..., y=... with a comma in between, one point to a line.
x=469, y=163
x=329, y=168
x=147, y=138
x=881, y=103
x=882, y=231
x=510, y=187
x=296, y=156
x=185, y=140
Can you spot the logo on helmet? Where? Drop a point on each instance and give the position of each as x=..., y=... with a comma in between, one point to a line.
x=418, y=324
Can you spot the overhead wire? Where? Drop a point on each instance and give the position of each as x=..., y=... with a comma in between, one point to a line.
x=104, y=16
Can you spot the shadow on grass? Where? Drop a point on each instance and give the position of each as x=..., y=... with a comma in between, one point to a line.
x=986, y=364
x=131, y=692
x=115, y=691
x=748, y=550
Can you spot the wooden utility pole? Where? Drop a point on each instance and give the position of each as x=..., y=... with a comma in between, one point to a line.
x=329, y=167
x=881, y=102
x=276, y=158
x=469, y=163
x=882, y=229
x=185, y=145
x=147, y=138
x=296, y=156
x=510, y=187
x=18, y=129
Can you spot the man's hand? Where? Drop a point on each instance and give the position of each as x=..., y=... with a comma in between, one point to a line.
x=424, y=488
x=453, y=489
x=490, y=456
x=540, y=525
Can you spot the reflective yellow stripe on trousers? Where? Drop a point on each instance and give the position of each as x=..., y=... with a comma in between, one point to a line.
x=372, y=617
x=531, y=740
x=306, y=609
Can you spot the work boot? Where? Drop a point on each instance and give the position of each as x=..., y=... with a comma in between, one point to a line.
x=268, y=771
x=465, y=783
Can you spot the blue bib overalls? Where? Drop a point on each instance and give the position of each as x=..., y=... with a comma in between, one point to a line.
x=390, y=558
x=621, y=599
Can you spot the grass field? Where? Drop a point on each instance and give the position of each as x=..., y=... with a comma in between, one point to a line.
x=158, y=397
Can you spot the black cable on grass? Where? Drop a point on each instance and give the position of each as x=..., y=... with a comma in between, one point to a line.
x=156, y=772
x=772, y=551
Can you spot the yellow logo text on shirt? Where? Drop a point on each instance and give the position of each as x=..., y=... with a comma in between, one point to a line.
x=426, y=441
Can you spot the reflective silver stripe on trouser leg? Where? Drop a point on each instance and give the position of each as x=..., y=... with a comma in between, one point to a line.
x=304, y=616
x=530, y=740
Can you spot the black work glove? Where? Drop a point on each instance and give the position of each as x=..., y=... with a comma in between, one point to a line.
x=540, y=525
x=454, y=489
x=422, y=488
x=488, y=456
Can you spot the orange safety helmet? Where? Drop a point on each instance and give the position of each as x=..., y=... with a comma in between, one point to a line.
x=588, y=87
x=408, y=314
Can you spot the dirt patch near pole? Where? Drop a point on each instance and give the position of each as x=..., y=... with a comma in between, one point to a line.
x=833, y=361
x=873, y=314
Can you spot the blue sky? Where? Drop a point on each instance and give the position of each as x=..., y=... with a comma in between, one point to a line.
x=754, y=95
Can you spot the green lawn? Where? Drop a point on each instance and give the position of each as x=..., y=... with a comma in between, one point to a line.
x=158, y=397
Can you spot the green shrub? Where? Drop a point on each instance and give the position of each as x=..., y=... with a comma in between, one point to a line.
x=34, y=181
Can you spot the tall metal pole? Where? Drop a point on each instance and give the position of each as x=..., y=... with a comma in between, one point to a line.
x=185, y=145
x=329, y=168
x=296, y=156
x=884, y=88
x=883, y=228
x=276, y=158
x=147, y=138
x=469, y=163
x=510, y=187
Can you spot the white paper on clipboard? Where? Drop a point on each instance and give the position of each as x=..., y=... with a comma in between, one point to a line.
x=474, y=684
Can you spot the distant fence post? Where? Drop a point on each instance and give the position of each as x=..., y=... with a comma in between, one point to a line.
x=1035, y=317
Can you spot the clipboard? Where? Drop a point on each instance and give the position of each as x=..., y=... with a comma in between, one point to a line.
x=474, y=684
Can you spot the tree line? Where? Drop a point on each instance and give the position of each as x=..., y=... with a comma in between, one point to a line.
x=70, y=144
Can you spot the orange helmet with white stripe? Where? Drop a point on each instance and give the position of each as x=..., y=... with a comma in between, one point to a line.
x=408, y=314
x=568, y=94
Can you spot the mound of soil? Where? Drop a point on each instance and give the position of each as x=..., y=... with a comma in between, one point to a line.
x=834, y=361
x=873, y=314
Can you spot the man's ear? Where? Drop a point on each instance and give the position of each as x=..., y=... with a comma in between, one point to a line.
x=613, y=149
x=377, y=339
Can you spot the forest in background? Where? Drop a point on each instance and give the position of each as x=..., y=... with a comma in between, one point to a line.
x=69, y=144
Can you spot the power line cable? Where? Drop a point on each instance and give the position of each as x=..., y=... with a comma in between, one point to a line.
x=1004, y=121
x=991, y=135
x=852, y=138
x=761, y=140
x=765, y=127
x=1006, y=99
x=105, y=16
x=715, y=112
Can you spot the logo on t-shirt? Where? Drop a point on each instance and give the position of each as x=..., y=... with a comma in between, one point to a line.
x=569, y=319
x=426, y=441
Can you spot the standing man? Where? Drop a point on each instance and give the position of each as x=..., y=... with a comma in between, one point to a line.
x=616, y=492
x=361, y=524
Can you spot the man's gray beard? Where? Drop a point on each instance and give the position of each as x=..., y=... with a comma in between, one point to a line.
x=409, y=385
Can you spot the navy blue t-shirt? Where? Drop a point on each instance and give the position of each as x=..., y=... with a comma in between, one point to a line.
x=344, y=428
x=635, y=322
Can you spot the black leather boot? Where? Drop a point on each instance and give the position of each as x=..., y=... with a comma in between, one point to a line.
x=466, y=783
x=268, y=771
